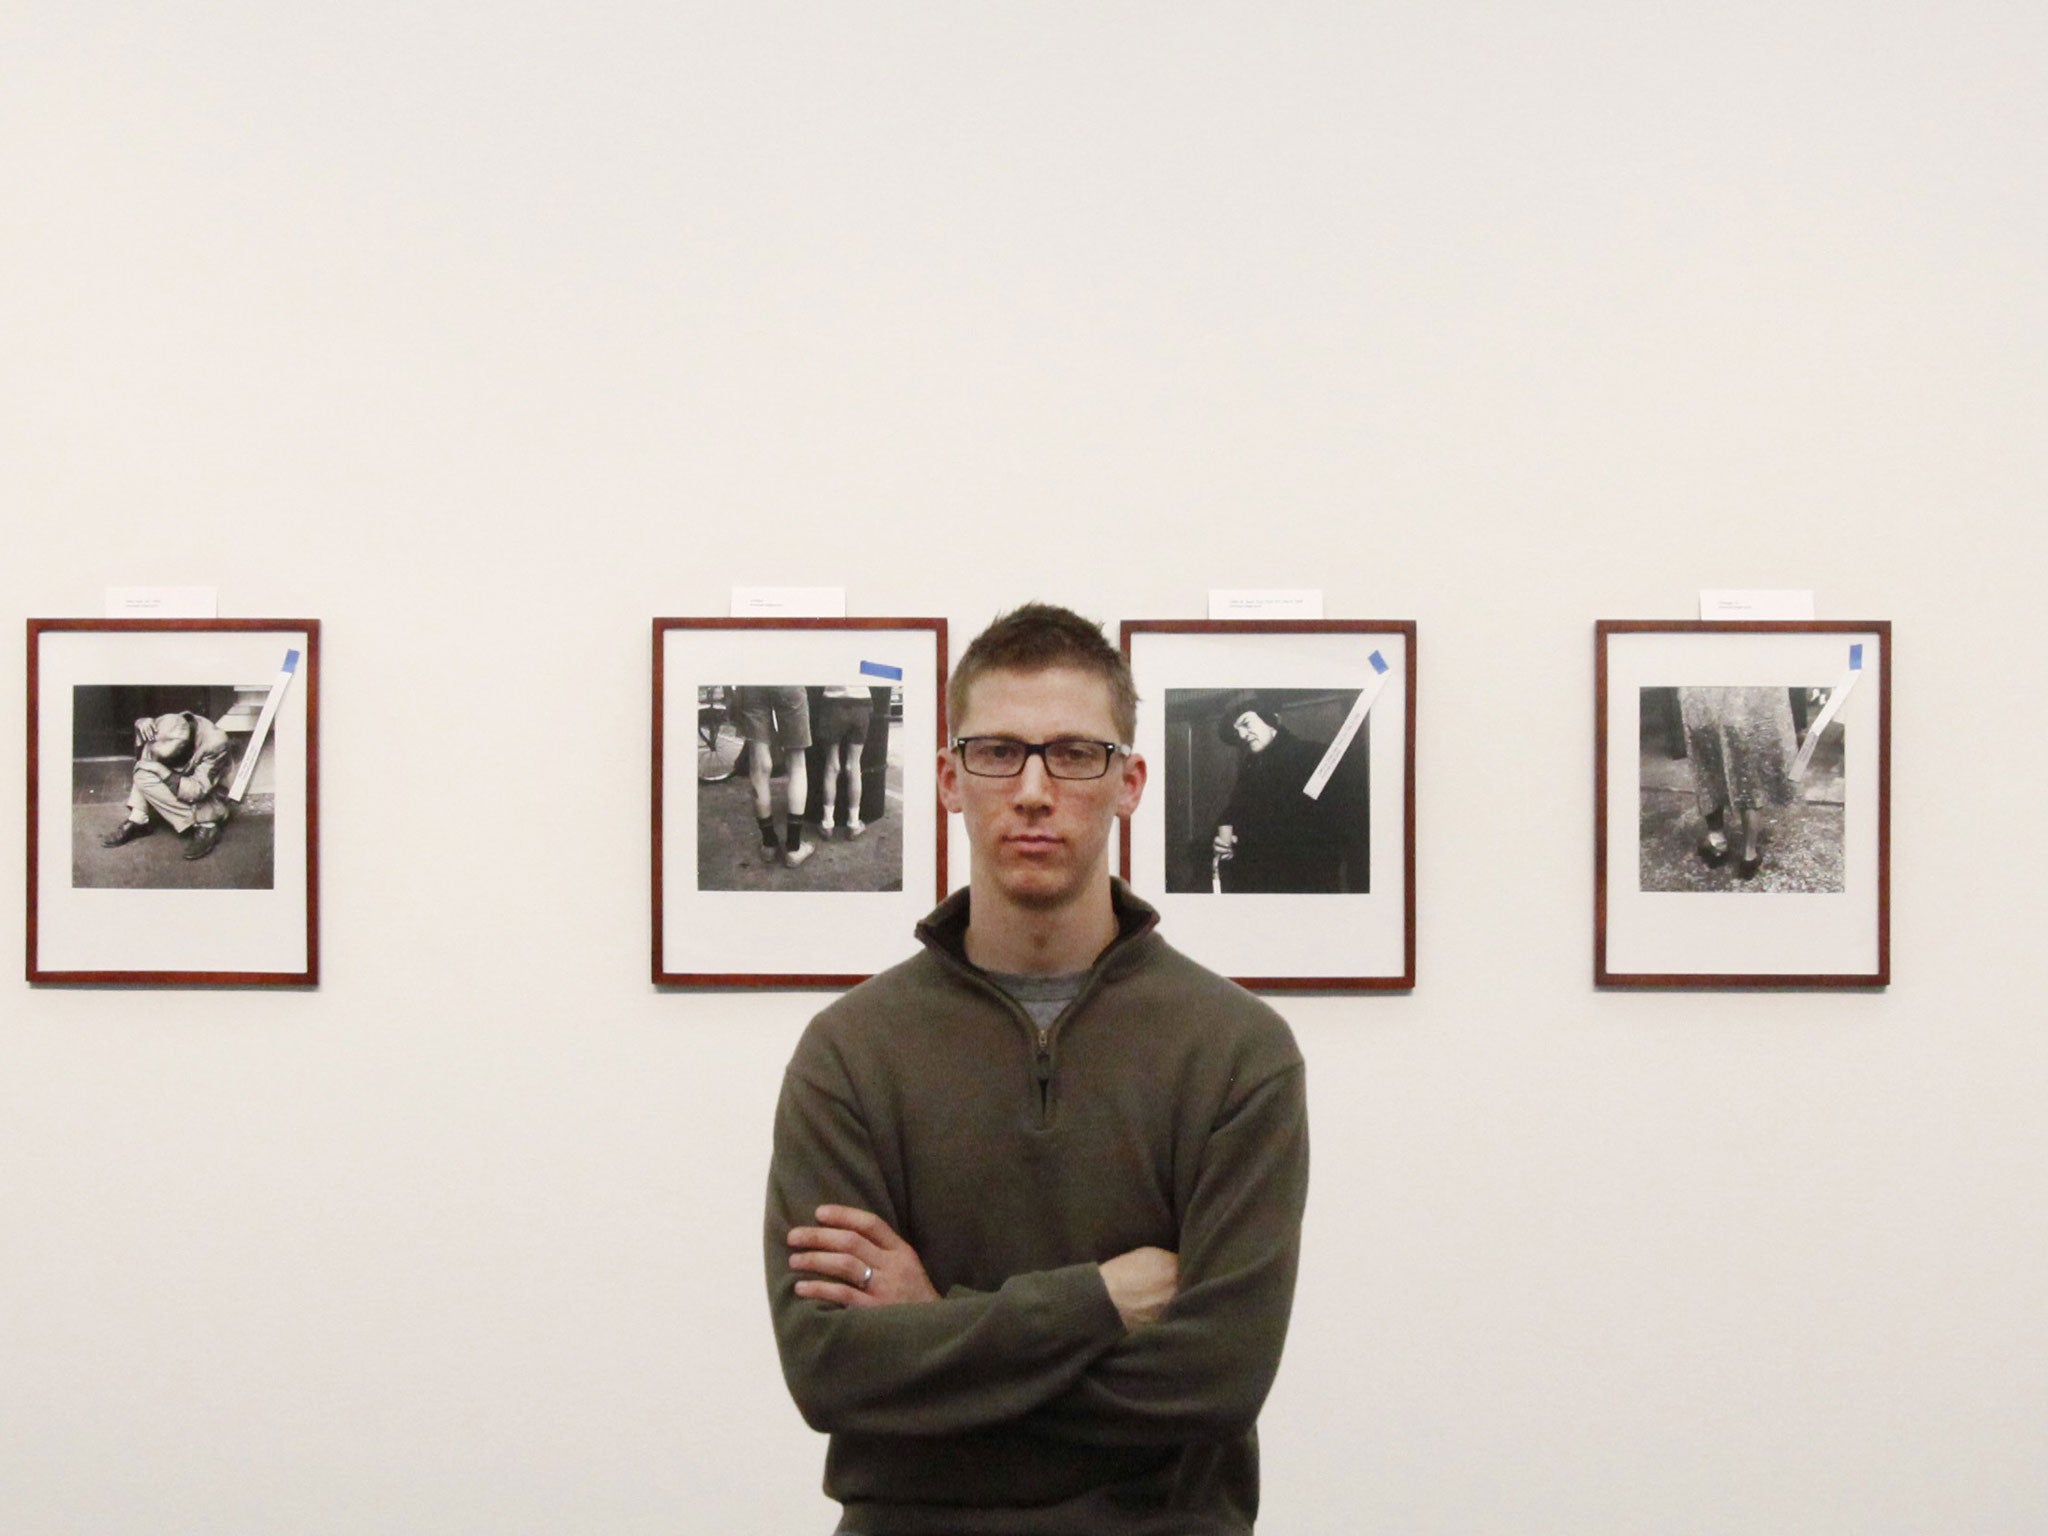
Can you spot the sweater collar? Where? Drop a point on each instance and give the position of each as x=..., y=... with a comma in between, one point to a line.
x=944, y=931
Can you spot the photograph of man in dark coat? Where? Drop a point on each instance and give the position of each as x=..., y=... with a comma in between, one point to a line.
x=1273, y=835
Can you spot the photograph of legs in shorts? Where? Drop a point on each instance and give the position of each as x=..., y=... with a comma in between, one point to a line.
x=812, y=799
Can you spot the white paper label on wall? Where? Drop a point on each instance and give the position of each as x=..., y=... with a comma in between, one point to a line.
x=1341, y=742
x=1730, y=603
x=1265, y=602
x=789, y=602
x=163, y=602
x=1827, y=715
x=261, y=734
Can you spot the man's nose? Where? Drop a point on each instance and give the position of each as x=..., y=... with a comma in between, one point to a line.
x=1034, y=784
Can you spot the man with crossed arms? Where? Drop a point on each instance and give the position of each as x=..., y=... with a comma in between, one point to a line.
x=1035, y=1203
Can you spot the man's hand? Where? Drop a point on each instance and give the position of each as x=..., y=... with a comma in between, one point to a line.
x=849, y=1246
x=1141, y=1283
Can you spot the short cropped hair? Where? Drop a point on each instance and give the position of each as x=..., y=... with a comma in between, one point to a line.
x=1039, y=636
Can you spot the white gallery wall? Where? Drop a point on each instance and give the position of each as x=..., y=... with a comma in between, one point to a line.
x=484, y=334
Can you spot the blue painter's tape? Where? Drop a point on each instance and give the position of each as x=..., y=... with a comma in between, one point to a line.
x=878, y=669
x=1856, y=657
x=1379, y=662
x=291, y=661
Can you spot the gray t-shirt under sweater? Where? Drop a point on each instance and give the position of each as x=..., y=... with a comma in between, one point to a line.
x=1045, y=998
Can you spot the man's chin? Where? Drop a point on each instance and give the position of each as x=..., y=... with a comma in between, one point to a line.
x=1040, y=890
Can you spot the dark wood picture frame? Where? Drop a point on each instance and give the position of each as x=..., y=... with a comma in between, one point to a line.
x=306, y=681
x=667, y=974
x=1393, y=978
x=1609, y=635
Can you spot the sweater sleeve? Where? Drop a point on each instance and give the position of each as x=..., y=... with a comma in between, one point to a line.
x=966, y=1362
x=1203, y=1370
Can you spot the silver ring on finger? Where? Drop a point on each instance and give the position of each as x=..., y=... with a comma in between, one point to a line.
x=867, y=1274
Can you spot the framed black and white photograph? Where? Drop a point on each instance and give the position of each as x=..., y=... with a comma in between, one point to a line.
x=1277, y=830
x=798, y=836
x=173, y=801
x=1742, y=821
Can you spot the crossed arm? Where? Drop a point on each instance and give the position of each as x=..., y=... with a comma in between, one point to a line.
x=1148, y=1347
x=203, y=775
x=852, y=1258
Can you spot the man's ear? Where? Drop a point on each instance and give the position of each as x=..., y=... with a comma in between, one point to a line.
x=1133, y=787
x=949, y=781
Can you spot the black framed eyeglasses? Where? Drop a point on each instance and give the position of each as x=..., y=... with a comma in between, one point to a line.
x=1004, y=757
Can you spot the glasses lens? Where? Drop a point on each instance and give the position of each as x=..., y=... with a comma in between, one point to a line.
x=993, y=756
x=1076, y=759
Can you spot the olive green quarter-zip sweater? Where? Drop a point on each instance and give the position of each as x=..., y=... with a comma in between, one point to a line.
x=1164, y=1107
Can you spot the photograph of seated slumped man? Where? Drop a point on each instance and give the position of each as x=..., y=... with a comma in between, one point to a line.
x=151, y=771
